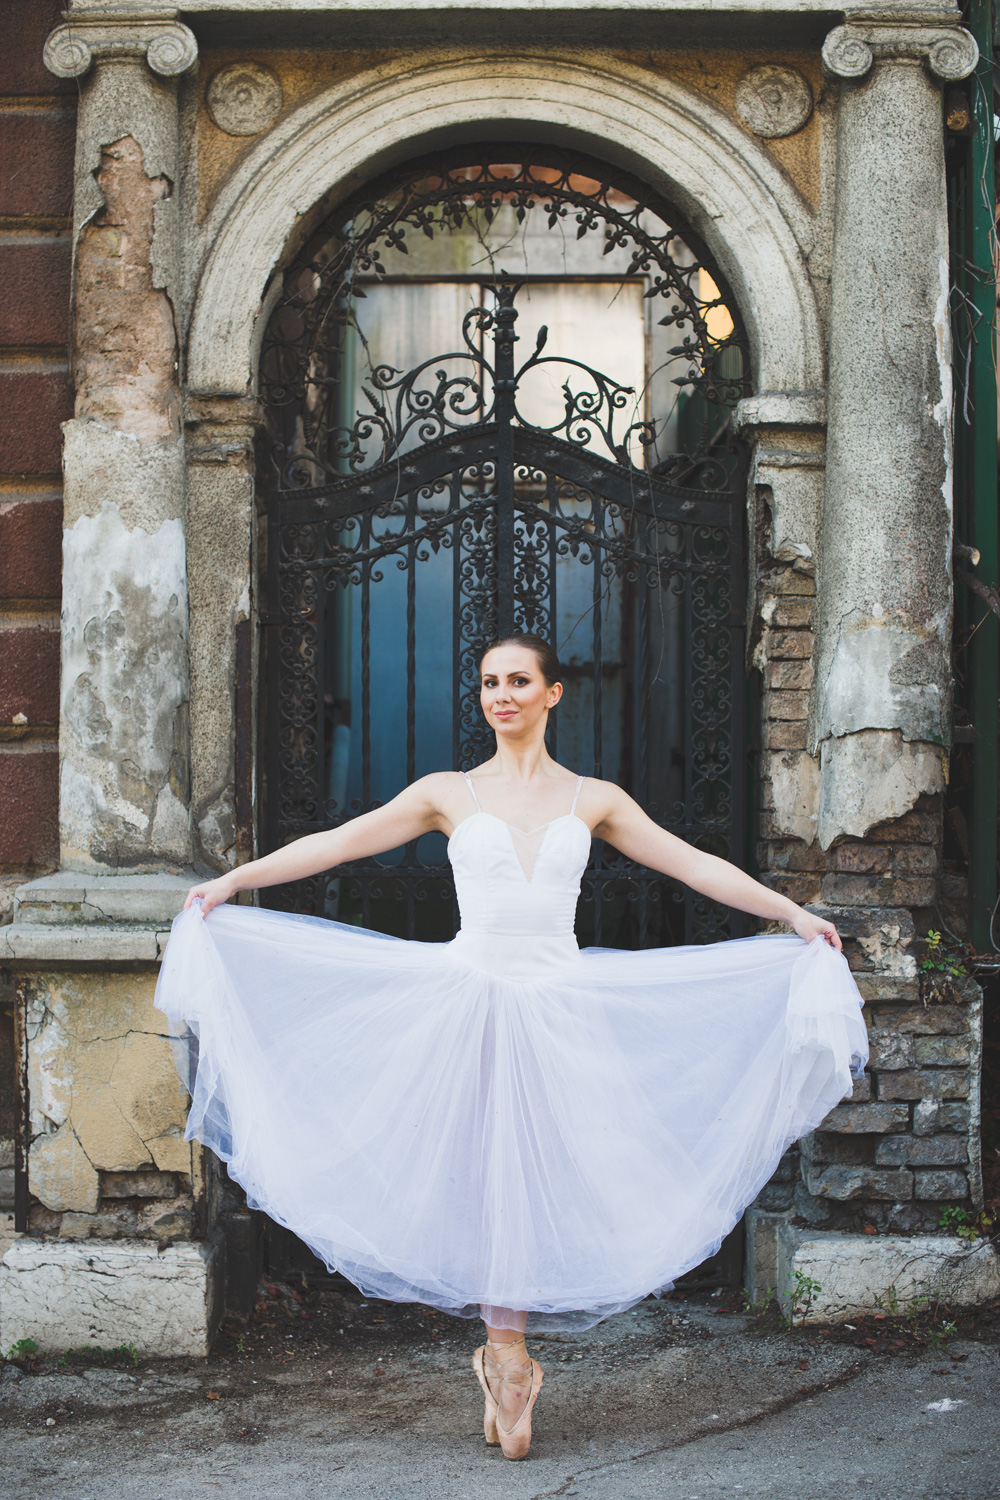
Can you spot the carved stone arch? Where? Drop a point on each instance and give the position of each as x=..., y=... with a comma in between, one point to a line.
x=730, y=191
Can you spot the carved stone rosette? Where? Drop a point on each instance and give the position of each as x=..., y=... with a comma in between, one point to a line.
x=949, y=53
x=168, y=46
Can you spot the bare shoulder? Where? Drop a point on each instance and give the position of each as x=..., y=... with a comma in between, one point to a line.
x=438, y=789
x=601, y=801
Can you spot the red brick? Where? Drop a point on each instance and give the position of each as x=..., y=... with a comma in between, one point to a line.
x=916, y=859
x=861, y=859
x=34, y=309
x=799, y=888
x=922, y=825
x=22, y=70
x=786, y=706
x=29, y=807
x=792, y=854
x=29, y=674
x=793, y=614
x=32, y=406
x=37, y=151
x=793, y=584
x=869, y=890
x=789, y=674
x=30, y=549
x=785, y=735
x=784, y=645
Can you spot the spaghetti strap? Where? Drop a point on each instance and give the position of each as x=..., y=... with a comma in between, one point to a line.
x=472, y=790
x=576, y=794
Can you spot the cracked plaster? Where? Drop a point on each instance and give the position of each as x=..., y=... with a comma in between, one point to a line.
x=882, y=702
x=104, y=1091
x=68, y=1293
x=124, y=726
x=871, y=777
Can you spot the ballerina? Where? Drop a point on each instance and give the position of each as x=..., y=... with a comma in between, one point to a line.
x=504, y=1126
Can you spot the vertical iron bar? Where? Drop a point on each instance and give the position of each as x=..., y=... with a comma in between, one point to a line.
x=320, y=883
x=984, y=646
x=411, y=693
x=243, y=791
x=552, y=503
x=688, y=831
x=273, y=838
x=504, y=339
x=598, y=624
x=456, y=625
x=737, y=691
x=366, y=701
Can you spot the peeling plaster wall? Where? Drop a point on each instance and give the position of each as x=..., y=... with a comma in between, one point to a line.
x=124, y=791
x=124, y=733
x=883, y=696
x=107, y=1154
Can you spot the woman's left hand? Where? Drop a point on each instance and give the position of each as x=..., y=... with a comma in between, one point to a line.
x=809, y=926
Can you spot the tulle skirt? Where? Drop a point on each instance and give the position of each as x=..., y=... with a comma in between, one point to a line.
x=443, y=1131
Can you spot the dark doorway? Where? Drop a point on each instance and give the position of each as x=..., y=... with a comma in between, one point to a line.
x=499, y=387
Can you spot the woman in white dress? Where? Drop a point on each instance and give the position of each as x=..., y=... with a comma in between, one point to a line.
x=504, y=1126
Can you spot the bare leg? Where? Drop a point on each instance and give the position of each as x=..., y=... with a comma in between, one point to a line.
x=506, y=1362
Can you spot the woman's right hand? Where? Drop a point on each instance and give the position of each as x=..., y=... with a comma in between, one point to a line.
x=212, y=893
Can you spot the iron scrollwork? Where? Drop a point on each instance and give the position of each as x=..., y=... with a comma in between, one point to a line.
x=444, y=472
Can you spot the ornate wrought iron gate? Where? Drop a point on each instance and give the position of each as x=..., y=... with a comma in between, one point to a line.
x=471, y=519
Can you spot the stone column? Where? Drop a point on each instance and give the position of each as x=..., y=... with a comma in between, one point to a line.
x=122, y=1201
x=882, y=706
x=124, y=781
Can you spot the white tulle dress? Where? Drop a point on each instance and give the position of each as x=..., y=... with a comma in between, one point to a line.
x=504, y=1121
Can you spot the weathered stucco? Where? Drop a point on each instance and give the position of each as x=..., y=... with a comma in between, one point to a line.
x=124, y=341
x=124, y=778
x=124, y=775
x=883, y=672
x=220, y=536
x=871, y=776
x=164, y=1301
x=105, y=1095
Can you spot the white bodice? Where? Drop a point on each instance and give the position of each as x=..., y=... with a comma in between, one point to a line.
x=513, y=921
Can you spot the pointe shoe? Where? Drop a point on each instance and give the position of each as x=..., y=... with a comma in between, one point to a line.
x=490, y=1413
x=514, y=1441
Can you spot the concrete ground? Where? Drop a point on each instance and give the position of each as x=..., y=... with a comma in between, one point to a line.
x=676, y=1400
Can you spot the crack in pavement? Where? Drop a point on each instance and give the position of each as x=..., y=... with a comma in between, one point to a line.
x=782, y=1404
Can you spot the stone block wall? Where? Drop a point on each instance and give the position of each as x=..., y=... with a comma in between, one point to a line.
x=905, y=1145
x=106, y=1153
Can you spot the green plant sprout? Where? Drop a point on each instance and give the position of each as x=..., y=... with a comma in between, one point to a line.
x=942, y=957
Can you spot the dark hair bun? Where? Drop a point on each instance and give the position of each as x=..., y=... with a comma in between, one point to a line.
x=548, y=661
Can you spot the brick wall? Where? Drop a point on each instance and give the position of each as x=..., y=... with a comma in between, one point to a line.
x=37, y=134
x=37, y=129
x=899, y=1152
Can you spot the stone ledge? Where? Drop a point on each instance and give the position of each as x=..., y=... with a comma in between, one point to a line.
x=860, y=1273
x=782, y=409
x=67, y=1294
x=153, y=900
x=74, y=917
x=91, y=942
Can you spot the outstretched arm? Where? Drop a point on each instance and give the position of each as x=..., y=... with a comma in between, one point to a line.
x=413, y=812
x=627, y=827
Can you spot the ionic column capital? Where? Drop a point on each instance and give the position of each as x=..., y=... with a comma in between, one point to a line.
x=948, y=52
x=165, y=44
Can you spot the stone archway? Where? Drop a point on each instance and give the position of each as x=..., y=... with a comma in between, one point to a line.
x=732, y=194
x=729, y=190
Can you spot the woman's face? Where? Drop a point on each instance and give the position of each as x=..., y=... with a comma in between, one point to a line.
x=514, y=694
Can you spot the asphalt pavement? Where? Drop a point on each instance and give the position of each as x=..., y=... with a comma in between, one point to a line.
x=676, y=1400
